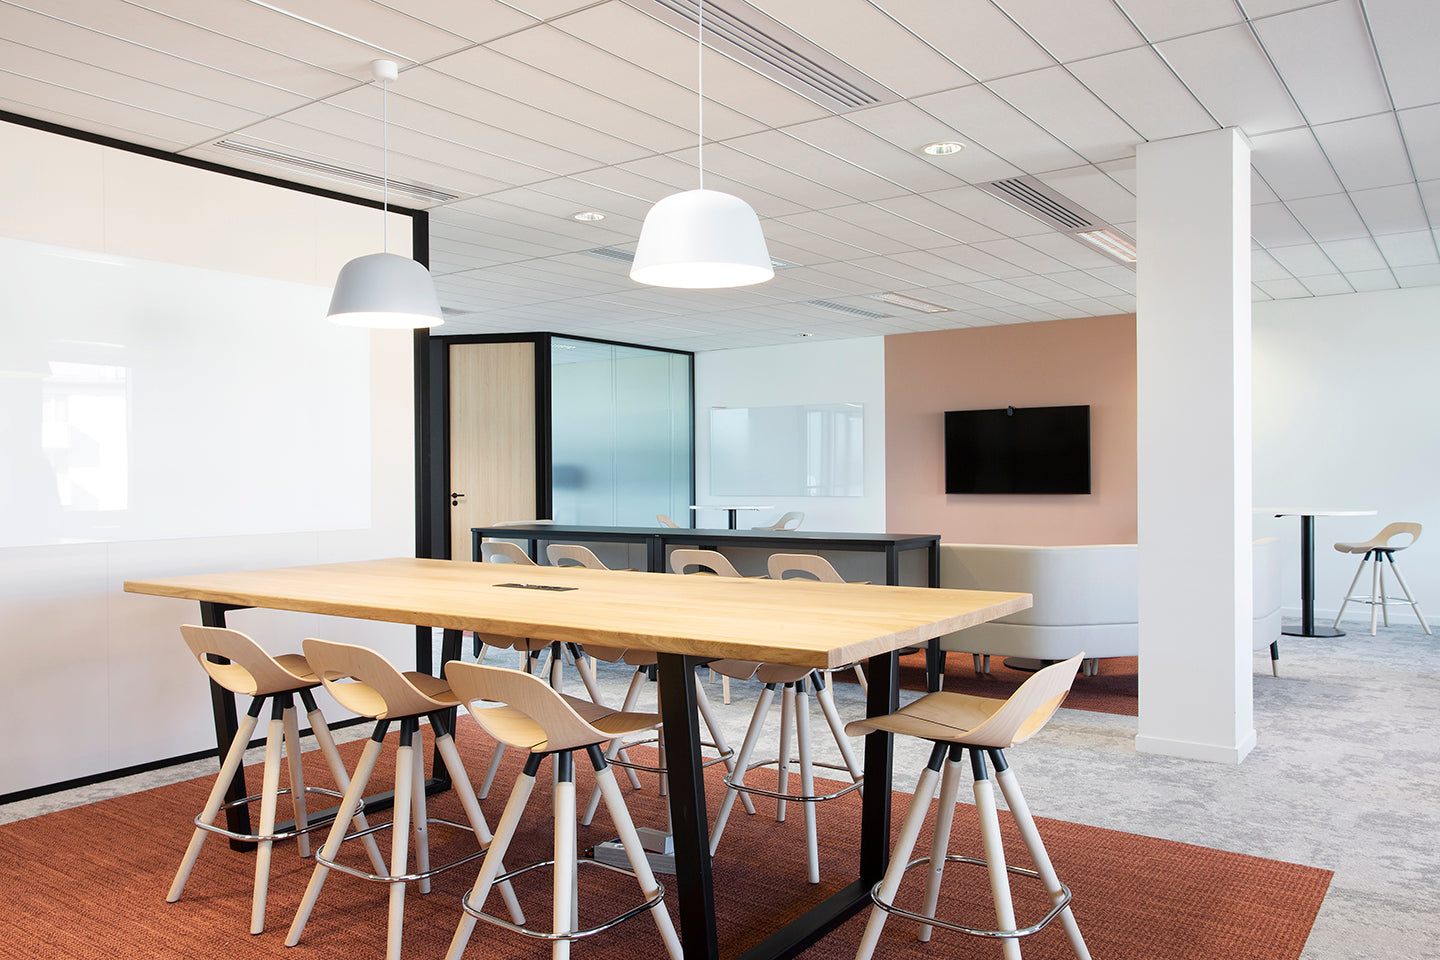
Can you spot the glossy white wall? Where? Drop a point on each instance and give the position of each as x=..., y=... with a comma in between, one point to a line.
x=253, y=433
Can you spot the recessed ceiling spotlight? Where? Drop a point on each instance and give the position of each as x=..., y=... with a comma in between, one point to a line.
x=806, y=334
x=943, y=148
x=587, y=216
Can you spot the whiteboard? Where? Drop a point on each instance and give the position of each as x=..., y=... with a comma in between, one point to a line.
x=145, y=401
x=808, y=450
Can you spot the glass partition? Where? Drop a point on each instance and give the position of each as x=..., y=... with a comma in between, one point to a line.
x=621, y=434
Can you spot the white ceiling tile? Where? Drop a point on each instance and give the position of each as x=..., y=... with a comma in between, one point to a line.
x=1008, y=291
x=1328, y=285
x=1366, y=280
x=1018, y=253
x=973, y=33
x=1427, y=275
x=1329, y=218
x=940, y=263
x=1283, y=289
x=1228, y=72
x=1391, y=209
x=1265, y=267
x=980, y=116
x=1254, y=9
x=1430, y=195
x=1164, y=19
x=1359, y=253
x=1122, y=277
x=377, y=23
x=1068, y=111
x=780, y=150
x=89, y=123
x=1422, y=134
x=1407, y=54
x=1293, y=164
x=1141, y=89
x=871, y=42
x=1366, y=152
x=1122, y=172
x=900, y=273
x=938, y=218
x=1095, y=191
x=1273, y=225
x=988, y=210
x=1260, y=191
x=1408, y=249
x=102, y=110
x=475, y=20
x=1325, y=56
x=884, y=232
x=1076, y=29
x=722, y=160
x=1082, y=282
x=980, y=261
x=1258, y=295
x=841, y=138
x=820, y=247
x=1306, y=260
x=1069, y=250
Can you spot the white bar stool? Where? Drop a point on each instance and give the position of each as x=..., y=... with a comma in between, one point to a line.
x=253, y=672
x=956, y=724
x=1376, y=549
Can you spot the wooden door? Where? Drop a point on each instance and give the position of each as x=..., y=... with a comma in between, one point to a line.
x=492, y=437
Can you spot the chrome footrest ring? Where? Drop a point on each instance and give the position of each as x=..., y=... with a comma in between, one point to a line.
x=574, y=935
x=1060, y=904
x=733, y=784
x=310, y=825
x=404, y=877
x=722, y=756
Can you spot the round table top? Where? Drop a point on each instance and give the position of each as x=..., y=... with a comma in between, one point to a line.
x=726, y=506
x=1309, y=512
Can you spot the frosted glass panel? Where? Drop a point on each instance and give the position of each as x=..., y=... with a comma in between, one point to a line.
x=621, y=434
x=814, y=450
x=147, y=401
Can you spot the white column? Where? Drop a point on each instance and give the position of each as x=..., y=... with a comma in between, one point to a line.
x=1192, y=335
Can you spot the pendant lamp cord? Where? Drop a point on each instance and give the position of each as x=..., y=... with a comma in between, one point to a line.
x=385, y=165
x=700, y=87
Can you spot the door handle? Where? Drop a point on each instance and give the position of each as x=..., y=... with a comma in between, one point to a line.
x=455, y=499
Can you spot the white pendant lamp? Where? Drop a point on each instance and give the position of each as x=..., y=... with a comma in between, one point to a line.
x=701, y=239
x=385, y=290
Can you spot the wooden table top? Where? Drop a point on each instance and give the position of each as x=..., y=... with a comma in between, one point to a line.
x=792, y=622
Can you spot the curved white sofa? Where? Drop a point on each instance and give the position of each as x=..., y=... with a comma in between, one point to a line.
x=1086, y=598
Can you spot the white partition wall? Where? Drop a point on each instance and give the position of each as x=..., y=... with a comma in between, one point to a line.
x=1192, y=338
x=174, y=402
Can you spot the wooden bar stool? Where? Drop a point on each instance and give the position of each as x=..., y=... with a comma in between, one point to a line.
x=523, y=712
x=364, y=682
x=1376, y=549
x=253, y=672
x=956, y=724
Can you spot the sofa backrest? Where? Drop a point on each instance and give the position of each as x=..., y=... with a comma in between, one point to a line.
x=1091, y=583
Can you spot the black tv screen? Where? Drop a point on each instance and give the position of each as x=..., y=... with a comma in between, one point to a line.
x=1018, y=450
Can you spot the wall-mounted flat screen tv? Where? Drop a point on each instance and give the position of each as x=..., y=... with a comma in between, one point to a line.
x=1018, y=450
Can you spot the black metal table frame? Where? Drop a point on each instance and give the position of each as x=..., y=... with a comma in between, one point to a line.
x=1307, y=584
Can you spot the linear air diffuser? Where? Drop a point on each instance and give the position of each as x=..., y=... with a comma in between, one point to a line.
x=331, y=171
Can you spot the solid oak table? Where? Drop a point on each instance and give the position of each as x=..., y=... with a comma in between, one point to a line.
x=1307, y=567
x=687, y=621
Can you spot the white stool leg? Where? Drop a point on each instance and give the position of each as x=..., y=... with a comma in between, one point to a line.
x=1349, y=593
x=742, y=762
x=995, y=858
x=717, y=736
x=460, y=783
x=940, y=845
x=562, y=911
x=400, y=838
x=342, y=779
x=418, y=817
x=297, y=776
x=270, y=787
x=587, y=675
x=492, y=865
x=1010, y=787
x=807, y=779
x=634, y=851
x=904, y=845
x=782, y=768
x=1408, y=595
x=233, y=758
x=491, y=770
x=348, y=807
x=825, y=695
x=1374, y=588
x=975, y=658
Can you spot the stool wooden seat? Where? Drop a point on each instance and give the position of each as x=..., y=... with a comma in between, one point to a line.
x=956, y=724
x=1374, y=550
x=364, y=682
x=521, y=711
x=250, y=671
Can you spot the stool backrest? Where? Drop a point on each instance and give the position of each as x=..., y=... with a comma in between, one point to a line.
x=665, y=521
x=1028, y=708
x=682, y=560
x=376, y=688
x=787, y=521
x=1393, y=530
x=519, y=709
x=251, y=670
x=503, y=551
x=814, y=567
x=572, y=555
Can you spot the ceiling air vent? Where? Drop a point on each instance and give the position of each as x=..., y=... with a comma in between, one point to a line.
x=332, y=171
x=1065, y=215
x=611, y=253
x=762, y=43
x=846, y=308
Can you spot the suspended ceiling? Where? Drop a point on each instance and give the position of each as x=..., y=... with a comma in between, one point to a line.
x=530, y=111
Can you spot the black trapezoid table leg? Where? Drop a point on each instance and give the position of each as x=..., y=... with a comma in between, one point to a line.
x=227, y=725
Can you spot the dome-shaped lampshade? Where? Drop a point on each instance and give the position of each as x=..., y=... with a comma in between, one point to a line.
x=385, y=290
x=701, y=239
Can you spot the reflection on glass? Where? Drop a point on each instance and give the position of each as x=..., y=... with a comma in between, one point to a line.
x=621, y=433
x=83, y=422
x=817, y=450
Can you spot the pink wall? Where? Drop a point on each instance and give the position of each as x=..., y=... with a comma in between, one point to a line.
x=1087, y=360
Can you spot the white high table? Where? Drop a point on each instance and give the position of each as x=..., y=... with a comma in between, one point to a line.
x=1307, y=567
x=731, y=509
